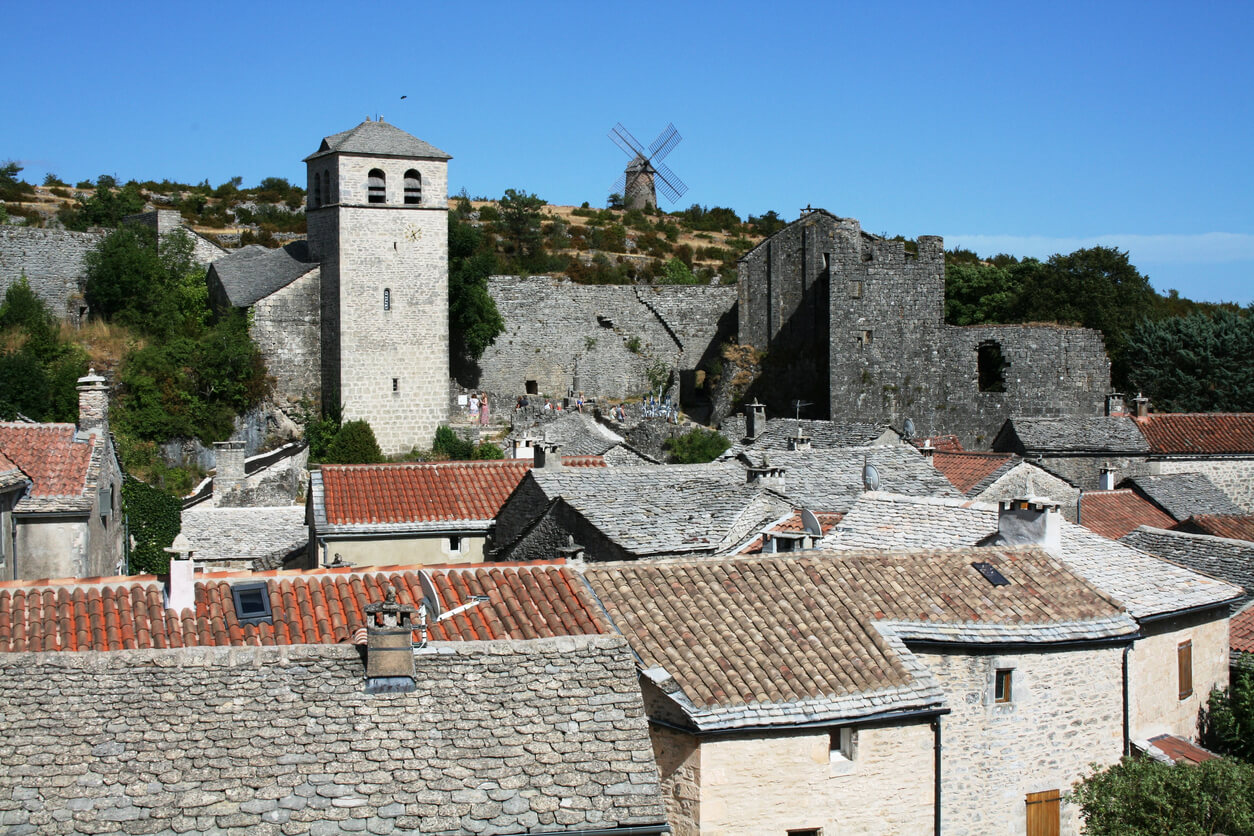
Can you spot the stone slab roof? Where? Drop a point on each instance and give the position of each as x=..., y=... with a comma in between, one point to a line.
x=824, y=435
x=413, y=495
x=665, y=509
x=1228, y=560
x=377, y=139
x=265, y=535
x=1075, y=435
x=246, y=741
x=324, y=606
x=1231, y=526
x=252, y=273
x=576, y=433
x=1199, y=433
x=831, y=480
x=972, y=473
x=1144, y=584
x=62, y=465
x=1114, y=513
x=1182, y=495
x=774, y=640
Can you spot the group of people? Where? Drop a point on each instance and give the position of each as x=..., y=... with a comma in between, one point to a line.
x=478, y=408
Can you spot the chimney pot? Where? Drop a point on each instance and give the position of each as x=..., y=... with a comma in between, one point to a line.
x=389, y=646
x=1030, y=520
x=929, y=452
x=755, y=419
x=1140, y=406
x=230, y=473
x=1115, y=404
x=547, y=455
x=93, y=402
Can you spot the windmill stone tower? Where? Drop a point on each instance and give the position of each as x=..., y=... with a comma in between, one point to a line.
x=645, y=172
x=378, y=223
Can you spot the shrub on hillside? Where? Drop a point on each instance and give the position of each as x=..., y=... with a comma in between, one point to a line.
x=450, y=445
x=696, y=446
x=354, y=444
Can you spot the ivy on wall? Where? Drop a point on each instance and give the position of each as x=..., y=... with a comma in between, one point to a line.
x=155, y=519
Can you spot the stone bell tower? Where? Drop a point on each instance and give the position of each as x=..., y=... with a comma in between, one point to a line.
x=378, y=223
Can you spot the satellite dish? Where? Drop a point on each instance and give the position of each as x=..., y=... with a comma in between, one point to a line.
x=811, y=523
x=908, y=429
x=430, y=599
x=870, y=477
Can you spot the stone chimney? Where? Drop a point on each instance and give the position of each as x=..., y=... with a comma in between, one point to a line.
x=1031, y=520
x=93, y=403
x=1106, y=479
x=928, y=452
x=1115, y=405
x=800, y=441
x=765, y=474
x=230, y=456
x=389, y=646
x=547, y=455
x=755, y=419
x=1140, y=406
x=180, y=591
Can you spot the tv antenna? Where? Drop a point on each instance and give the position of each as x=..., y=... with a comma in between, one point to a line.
x=797, y=406
x=646, y=173
x=431, y=608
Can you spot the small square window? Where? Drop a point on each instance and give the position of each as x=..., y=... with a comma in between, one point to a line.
x=855, y=290
x=842, y=744
x=807, y=831
x=864, y=338
x=252, y=603
x=455, y=544
x=1002, y=685
x=396, y=384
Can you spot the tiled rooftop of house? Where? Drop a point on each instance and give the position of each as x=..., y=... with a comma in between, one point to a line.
x=753, y=641
x=58, y=465
x=1173, y=750
x=1182, y=495
x=323, y=606
x=972, y=472
x=792, y=524
x=823, y=435
x=940, y=443
x=1114, y=513
x=1208, y=433
x=1076, y=434
x=382, y=494
x=1231, y=526
x=1218, y=557
x=10, y=474
x=1144, y=584
x=1241, y=630
x=575, y=433
x=264, y=535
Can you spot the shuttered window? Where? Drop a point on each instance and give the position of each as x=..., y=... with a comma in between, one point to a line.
x=1184, y=662
x=1044, y=816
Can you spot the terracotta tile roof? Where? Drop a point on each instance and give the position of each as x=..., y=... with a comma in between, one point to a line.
x=774, y=640
x=969, y=470
x=1241, y=631
x=57, y=464
x=421, y=492
x=1175, y=750
x=1232, y=526
x=1114, y=513
x=526, y=601
x=10, y=474
x=1192, y=433
x=792, y=525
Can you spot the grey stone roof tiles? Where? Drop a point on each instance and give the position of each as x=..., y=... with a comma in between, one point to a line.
x=576, y=433
x=378, y=139
x=1183, y=494
x=264, y=535
x=1077, y=434
x=499, y=738
x=831, y=479
x=1145, y=585
x=822, y=434
x=254, y=272
x=1219, y=557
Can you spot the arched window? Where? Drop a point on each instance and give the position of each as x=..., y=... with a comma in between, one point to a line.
x=376, y=187
x=413, y=187
x=315, y=199
x=387, y=298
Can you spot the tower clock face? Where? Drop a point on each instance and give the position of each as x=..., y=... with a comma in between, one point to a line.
x=412, y=232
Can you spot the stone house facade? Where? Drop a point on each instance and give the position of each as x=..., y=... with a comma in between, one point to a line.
x=855, y=324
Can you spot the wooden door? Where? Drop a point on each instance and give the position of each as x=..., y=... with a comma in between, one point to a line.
x=1044, y=816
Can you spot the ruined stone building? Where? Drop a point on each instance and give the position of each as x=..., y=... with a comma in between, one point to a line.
x=855, y=324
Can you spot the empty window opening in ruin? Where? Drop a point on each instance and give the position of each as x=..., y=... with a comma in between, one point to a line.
x=855, y=290
x=532, y=388
x=807, y=831
x=1003, y=684
x=413, y=187
x=376, y=186
x=864, y=338
x=605, y=321
x=387, y=298
x=991, y=367
x=827, y=262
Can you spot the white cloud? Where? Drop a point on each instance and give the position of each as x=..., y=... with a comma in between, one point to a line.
x=1201, y=248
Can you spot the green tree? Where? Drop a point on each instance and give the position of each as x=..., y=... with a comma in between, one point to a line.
x=107, y=206
x=979, y=293
x=696, y=446
x=1228, y=725
x=520, y=217
x=39, y=374
x=13, y=187
x=1144, y=797
x=354, y=444
x=158, y=289
x=473, y=319
x=450, y=445
x=1195, y=363
x=676, y=272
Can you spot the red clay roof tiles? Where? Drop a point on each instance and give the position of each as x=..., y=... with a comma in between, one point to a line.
x=425, y=492
x=1114, y=513
x=1232, y=526
x=525, y=601
x=47, y=453
x=1241, y=631
x=966, y=470
x=1215, y=433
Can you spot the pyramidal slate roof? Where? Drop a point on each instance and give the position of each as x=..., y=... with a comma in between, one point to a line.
x=378, y=139
x=254, y=272
x=1182, y=495
x=1144, y=584
x=545, y=736
x=1075, y=434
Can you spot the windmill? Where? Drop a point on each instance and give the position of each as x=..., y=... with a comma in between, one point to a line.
x=646, y=172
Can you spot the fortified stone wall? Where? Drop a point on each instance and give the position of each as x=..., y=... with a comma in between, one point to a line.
x=287, y=328
x=1065, y=712
x=598, y=339
x=52, y=261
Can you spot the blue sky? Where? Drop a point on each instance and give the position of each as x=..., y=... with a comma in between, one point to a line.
x=1002, y=126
